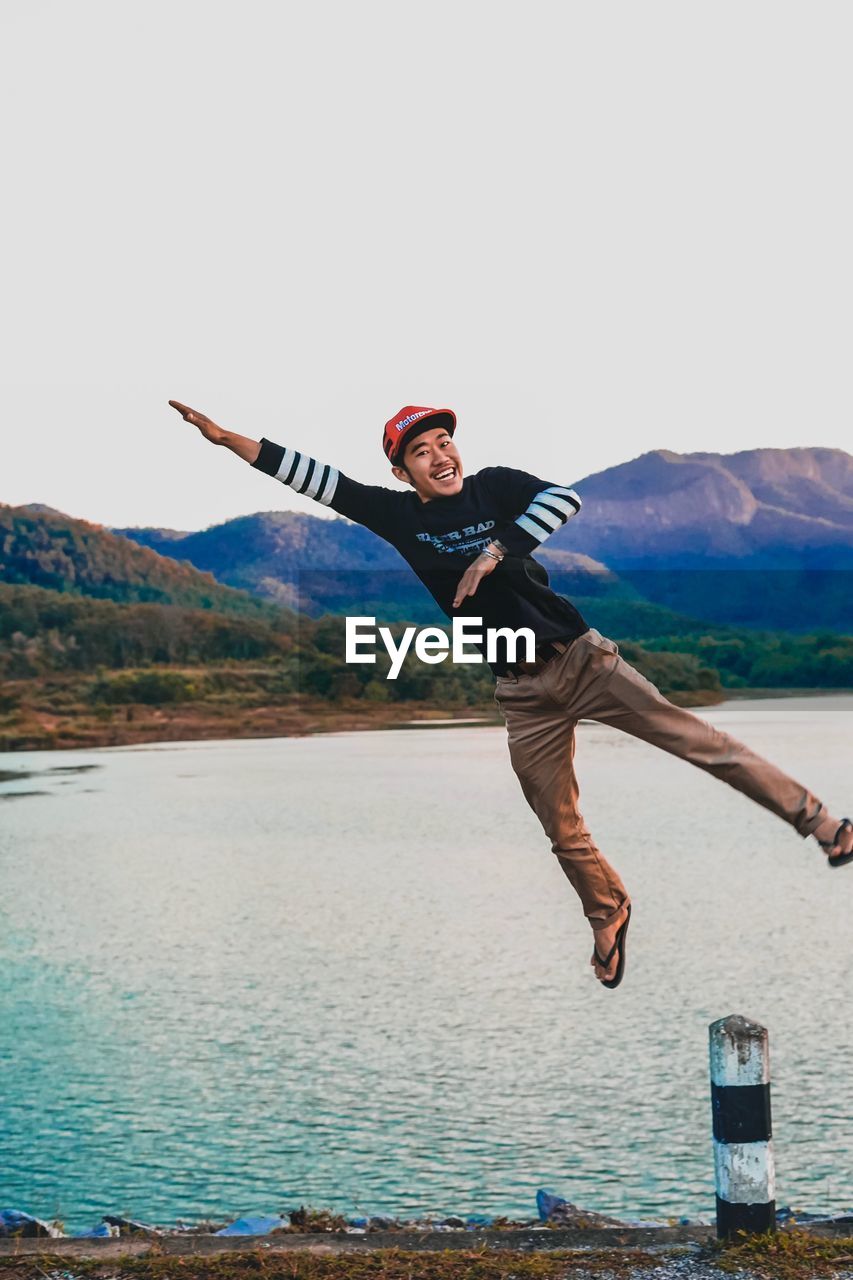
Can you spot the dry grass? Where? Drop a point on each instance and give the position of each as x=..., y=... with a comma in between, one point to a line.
x=378, y=1264
x=785, y=1255
x=791, y=1254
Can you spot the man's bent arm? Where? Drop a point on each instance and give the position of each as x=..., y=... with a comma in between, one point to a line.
x=543, y=508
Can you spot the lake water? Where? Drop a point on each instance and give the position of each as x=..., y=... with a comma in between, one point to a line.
x=347, y=971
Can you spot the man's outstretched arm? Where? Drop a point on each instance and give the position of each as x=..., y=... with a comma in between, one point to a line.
x=244, y=448
x=370, y=505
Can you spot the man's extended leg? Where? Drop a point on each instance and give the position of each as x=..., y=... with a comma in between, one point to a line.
x=616, y=694
x=541, y=745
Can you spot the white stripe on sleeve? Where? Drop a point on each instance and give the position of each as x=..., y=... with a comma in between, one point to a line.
x=530, y=527
x=313, y=484
x=329, y=487
x=301, y=472
x=559, y=504
x=551, y=518
x=286, y=465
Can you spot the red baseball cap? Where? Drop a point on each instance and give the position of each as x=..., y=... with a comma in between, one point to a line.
x=411, y=421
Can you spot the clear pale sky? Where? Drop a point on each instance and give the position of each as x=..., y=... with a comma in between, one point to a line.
x=592, y=229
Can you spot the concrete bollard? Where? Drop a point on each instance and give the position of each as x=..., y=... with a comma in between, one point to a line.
x=740, y=1107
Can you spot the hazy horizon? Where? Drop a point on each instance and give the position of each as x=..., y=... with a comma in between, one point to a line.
x=591, y=230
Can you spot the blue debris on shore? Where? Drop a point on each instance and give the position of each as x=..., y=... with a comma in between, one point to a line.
x=14, y=1222
x=254, y=1226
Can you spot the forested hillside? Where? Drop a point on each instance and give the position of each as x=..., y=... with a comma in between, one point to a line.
x=43, y=630
x=47, y=549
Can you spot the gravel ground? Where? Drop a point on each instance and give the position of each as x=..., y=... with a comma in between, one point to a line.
x=668, y=1268
x=686, y=1269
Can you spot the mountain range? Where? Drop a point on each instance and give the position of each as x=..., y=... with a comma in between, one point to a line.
x=670, y=528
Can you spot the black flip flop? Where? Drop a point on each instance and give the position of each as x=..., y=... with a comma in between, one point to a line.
x=618, y=945
x=840, y=859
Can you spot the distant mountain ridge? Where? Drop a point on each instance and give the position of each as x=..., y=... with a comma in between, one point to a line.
x=773, y=508
x=763, y=508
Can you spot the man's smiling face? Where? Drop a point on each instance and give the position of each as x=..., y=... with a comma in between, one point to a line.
x=431, y=464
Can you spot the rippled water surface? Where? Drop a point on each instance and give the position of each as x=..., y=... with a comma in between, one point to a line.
x=347, y=971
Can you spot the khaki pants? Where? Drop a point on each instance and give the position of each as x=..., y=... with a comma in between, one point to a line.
x=590, y=681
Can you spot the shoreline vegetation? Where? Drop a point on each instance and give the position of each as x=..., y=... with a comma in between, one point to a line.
x=60, y=713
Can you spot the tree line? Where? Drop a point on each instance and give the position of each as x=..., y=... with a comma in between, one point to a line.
x=44, y=632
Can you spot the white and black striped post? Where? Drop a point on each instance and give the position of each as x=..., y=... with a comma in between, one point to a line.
x=740, y=1106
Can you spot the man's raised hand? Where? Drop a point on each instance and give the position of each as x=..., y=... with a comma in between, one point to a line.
x=208, y=428
x=244, y=448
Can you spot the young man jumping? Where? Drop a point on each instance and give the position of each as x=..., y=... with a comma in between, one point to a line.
x=471, y=536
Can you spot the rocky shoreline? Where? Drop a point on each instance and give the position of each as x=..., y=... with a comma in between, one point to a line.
x=552, y=1213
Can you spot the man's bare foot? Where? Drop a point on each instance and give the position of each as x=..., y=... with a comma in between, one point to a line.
x=834, y=837
x=604, y=940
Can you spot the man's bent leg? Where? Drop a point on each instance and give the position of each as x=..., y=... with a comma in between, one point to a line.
x=626, y=700
x=541, y=747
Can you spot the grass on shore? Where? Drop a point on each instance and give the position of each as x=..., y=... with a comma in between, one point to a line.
x=376, y=1264
x=791, y=1254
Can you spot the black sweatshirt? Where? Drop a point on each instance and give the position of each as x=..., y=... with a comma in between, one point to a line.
x=440, y=538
